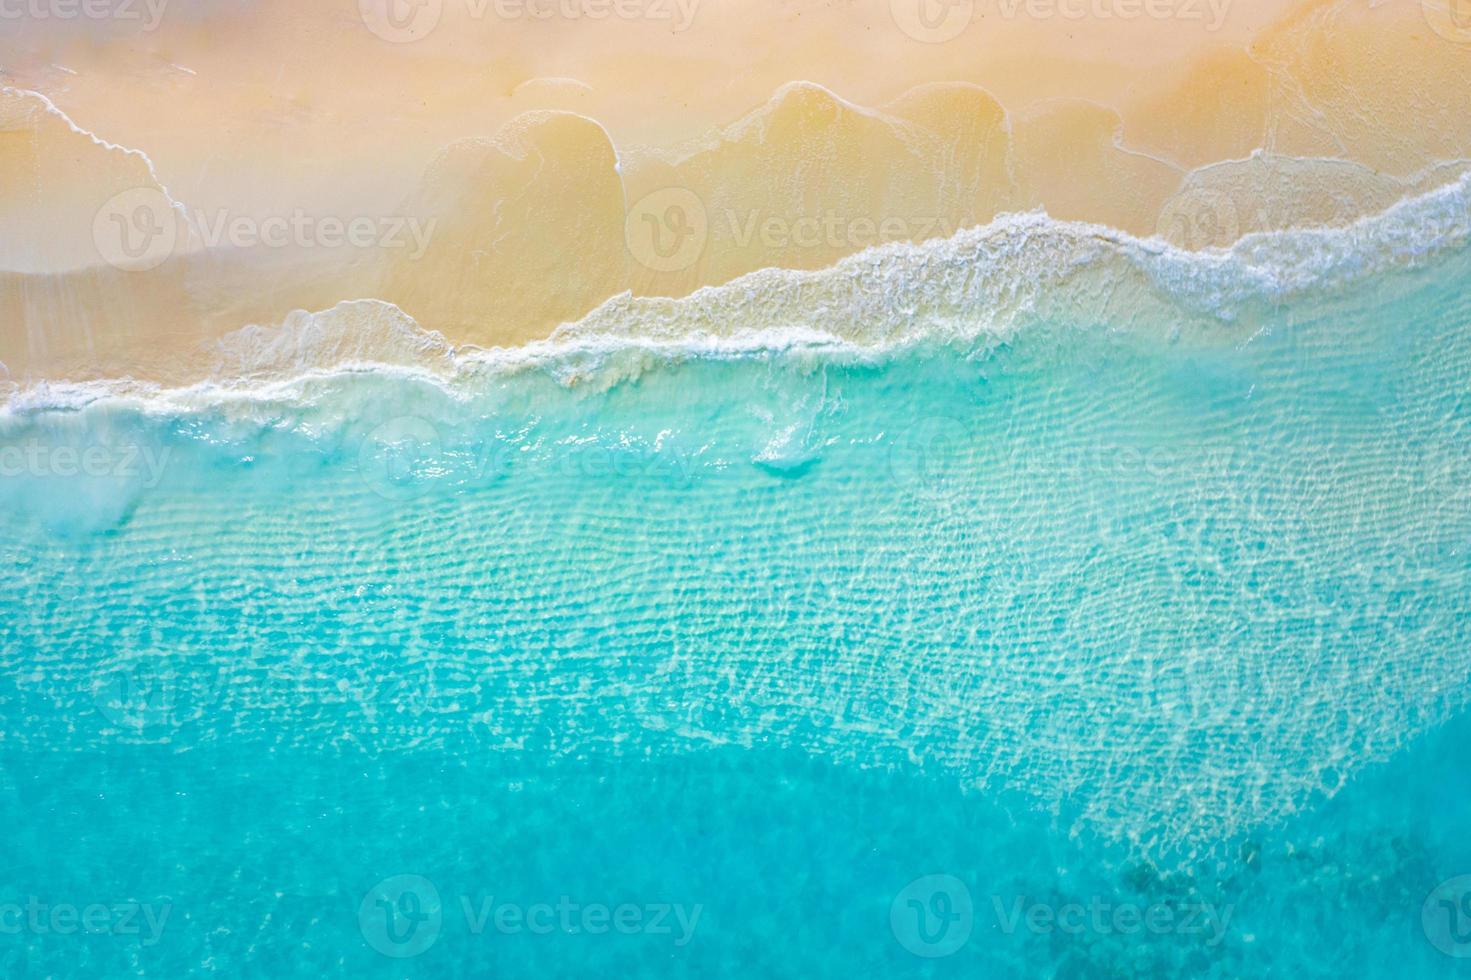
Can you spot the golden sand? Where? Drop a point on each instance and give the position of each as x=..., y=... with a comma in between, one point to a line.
x=497, y=169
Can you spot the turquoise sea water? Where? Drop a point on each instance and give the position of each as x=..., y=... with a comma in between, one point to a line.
x=1105, y=651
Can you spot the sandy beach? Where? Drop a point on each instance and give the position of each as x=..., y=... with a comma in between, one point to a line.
x=168, y=176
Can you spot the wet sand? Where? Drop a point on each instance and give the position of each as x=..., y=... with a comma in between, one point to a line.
x=496, y=170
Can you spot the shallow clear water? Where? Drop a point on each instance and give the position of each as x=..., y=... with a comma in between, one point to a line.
x=1102, y=652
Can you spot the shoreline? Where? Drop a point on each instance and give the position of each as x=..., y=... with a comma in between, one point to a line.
x=589, y=190
x=1019, y=268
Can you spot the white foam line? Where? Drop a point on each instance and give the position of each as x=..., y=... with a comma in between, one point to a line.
x=56, y=111
x=154, y=398
x=1268, y=263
